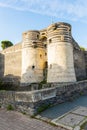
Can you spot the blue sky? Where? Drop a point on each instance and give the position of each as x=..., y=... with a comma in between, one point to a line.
x=18, y=16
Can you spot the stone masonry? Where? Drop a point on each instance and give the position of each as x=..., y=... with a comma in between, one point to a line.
x=50, y=55
x=31, y=102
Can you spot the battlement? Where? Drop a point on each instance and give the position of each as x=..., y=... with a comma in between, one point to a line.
x=31, y=35
x=31, y=39
x=45, y=55
x=59, y=24
x=60, y=31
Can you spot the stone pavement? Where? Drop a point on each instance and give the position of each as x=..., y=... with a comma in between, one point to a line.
x=11, y=120
x=73, y=119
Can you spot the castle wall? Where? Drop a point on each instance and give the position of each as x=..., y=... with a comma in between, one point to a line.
x=50, y=54
x=1, y=65
x=32, y=102
x=33, y=58
x=60, y=54
x=11, y=62
x=86, y=61
x=79, y=64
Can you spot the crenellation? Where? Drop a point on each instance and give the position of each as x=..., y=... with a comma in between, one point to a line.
x=60, y=54
x=50, y=55
x=32, y=51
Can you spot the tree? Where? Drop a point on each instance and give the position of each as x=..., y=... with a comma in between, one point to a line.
x=82, y=48
x=5, y=44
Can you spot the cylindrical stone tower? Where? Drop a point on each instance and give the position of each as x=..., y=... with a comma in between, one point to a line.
x=32, y=58
x=60, y=53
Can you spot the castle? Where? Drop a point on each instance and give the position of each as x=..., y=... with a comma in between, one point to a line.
x=50, y=55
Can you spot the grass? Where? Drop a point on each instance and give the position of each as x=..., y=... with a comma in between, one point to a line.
x=43, y=107
x=83, y=126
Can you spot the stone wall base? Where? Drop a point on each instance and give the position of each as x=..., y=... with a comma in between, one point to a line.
x=32, y=102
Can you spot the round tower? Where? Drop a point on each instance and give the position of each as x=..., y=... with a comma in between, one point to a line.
x=32, y=58
x=60, y=53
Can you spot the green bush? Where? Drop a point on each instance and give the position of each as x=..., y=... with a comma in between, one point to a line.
x=41, y=84
x=23, y=112
x=43, y=107
x=10, y=107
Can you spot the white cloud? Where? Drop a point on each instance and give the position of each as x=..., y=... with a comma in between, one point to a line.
x=69, y=9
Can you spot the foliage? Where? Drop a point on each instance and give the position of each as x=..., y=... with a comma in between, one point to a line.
x=43, y=107
x=41, y=84
x=23, y=112
x=5, y=44
x=84, y=125
x=82, y=48
x=81, y=93
x=8, y=86
x=1, y=84
x=10, y=107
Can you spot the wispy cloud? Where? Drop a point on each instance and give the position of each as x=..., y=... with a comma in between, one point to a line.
x=69, y=9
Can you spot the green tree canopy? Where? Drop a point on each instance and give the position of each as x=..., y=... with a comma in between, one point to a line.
x=5, y=44
x=82, y=48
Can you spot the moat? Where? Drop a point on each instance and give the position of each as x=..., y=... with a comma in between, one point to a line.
x=60, y=109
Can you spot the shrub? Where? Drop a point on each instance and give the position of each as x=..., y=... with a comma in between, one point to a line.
x=43, y=107
x=10, y=107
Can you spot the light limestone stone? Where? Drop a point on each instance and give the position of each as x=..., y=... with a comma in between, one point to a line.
x=32, y=59
x=73, y=119
x=60, y=55
x=43, y=55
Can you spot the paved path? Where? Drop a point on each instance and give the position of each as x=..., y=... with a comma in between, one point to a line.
x=11, y=120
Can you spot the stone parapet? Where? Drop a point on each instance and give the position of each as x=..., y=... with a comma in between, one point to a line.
x=31, y=102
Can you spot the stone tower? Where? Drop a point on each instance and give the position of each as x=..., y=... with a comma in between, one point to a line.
x=32, y=58
x=60, y=53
